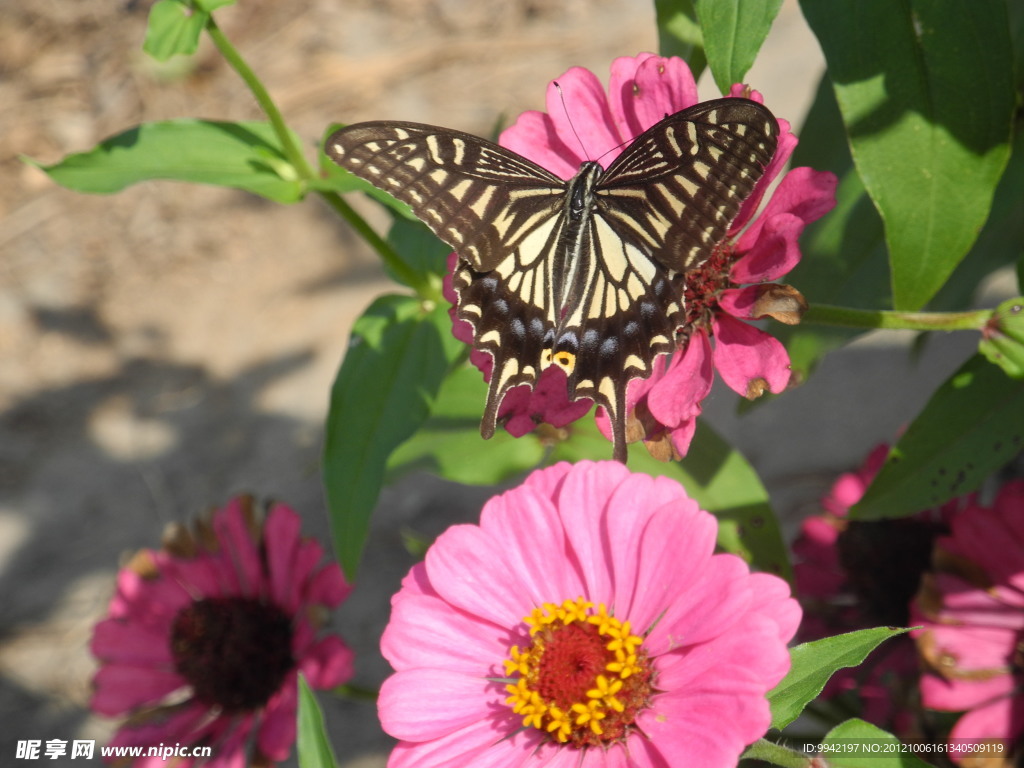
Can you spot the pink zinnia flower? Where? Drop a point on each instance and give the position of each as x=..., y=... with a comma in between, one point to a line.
x=206, y=636
x=854, y=574
x=729, y=289
x=584, y=622
x=972, y=612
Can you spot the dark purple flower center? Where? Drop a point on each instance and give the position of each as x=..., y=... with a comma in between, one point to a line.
x=235, y=652
x=883, y=561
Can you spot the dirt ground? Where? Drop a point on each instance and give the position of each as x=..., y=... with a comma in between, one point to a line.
x=164, y=348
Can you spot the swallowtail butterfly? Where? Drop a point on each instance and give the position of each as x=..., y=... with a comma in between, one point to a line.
x=586, y=274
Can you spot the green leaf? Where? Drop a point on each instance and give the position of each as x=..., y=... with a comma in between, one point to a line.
x=1002, y=341
x=449, y=443
x=419, y=249
x=717, y=477
x=859, y=744
x=844, y=256
x=679, y=33
x=174, y=28
x=313, y=746
x=926, y=93
x=398, y=356
x=200, y=151
x=212, y=5
x=999, y=243
x=734, y=31
x=812, y=664
x=971, y=426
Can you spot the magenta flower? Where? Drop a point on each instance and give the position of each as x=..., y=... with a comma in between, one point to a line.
x=727, y=291
x=584, y=622
x=972, y=612
x=206, y=636
x=853, y=574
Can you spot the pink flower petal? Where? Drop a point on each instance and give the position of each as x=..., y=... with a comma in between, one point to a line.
x=663, y=569
x=579, y=108
x=534, y=542
x=775, y=252
x=468, y=569
x=629, y=509
x=287, y=568
x=481, y=744
x=710, y=725
x=688, y=381
x=244, y=577
x=645, y=89
x=708, y=608
x=745, y=355
x=534, y=136
x=1001, y=719
x=121, y=688
x=130, y=643
x=803, y=192
x=422, y=704
x=327, y=663
x=425, y=631
x=586, y=491
x=276, y=732
x=327, y=587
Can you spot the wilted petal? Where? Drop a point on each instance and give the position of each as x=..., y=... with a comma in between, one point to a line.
x=748, y=359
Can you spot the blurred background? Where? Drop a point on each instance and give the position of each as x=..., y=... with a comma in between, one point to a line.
x=167, y=347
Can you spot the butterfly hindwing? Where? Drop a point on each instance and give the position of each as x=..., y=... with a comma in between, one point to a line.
x=587, y=274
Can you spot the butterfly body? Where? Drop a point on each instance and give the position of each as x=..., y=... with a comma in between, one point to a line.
x=585, y=274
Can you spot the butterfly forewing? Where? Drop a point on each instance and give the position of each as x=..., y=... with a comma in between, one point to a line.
x=588, y=274
x=479, y=198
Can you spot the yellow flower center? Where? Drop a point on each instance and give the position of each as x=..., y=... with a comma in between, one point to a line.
x=584, y=677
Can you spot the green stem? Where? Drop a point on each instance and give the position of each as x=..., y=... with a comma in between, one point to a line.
x=234, y=58
x=355, y=692
x=387, y=254
x=293, y=153
x=825, y=314
x=770, y=752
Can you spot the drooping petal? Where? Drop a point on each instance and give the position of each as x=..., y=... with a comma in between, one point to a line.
x=677, y=396
x=748, y=359
x=803, y=192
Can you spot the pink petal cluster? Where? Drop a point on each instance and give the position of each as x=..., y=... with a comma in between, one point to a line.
x=760, y=248
x=715, y=633
x=232, y=556
x=972, y=616
x=858, y=574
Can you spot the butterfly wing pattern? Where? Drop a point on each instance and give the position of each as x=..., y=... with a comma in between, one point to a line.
x=585, y=274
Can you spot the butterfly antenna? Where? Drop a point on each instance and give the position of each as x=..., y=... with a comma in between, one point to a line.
x=565, y=109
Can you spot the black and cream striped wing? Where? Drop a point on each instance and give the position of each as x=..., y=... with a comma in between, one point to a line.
x=481, y=199
x=675, y=191
x=499, y=211
x=586, y=276
x=661, y=209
